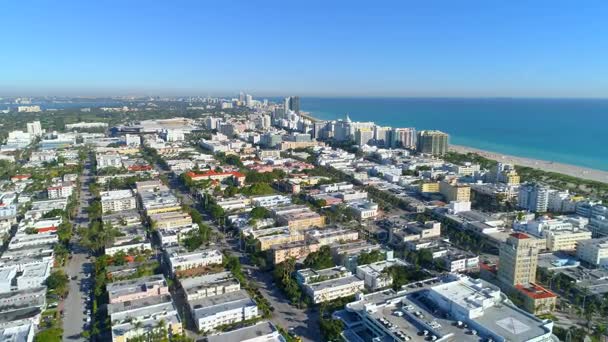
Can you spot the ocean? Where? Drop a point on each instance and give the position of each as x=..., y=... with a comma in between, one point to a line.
x=571, y=131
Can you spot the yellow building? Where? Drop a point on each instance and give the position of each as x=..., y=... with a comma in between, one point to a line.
x=170, y=220
x=429, y=187
x=561, y=240
x=455, y=192
x=297, y=250
x=266, y=242
x=518, y=260
x=512, y=178
x=301, y=220
x=536, y=299
x=166, y=209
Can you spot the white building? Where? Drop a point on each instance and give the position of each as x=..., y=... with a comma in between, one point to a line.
x=271, y=201
x=335, y=187
x=456, y=308
x=374, y=276
x=117, y=200
x=593, y=251
x=229, y=308
x=363, y=209
x=108, y=160
x=64, y=190
x=533, y=197
x=132, y=140
x=263, y=331
x=328, y=284
x=34, y=128
x=180, y=260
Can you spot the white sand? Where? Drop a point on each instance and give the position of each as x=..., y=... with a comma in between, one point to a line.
x=570, y=170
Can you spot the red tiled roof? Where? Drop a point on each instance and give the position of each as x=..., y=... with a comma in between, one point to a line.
x=520, y=236
x=193, y=174
x=24, y=176
x=140, y=167
x=46, y=229
x=535, y=291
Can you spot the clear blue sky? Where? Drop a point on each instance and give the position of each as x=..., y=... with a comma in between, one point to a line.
x=326, y=48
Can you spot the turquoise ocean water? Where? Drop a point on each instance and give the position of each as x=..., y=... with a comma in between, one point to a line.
x=567, y=131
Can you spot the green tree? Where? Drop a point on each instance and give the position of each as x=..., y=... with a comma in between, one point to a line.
x=58, y=281
x=320, y=259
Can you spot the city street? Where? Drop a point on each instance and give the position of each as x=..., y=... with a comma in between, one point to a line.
x=303, y=323
x=78, y=269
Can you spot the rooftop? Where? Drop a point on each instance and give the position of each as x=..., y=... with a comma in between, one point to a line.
x=209, y=306
x=253, y=332
x=535, y=291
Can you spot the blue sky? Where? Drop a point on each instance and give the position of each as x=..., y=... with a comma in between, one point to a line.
x=310, y=48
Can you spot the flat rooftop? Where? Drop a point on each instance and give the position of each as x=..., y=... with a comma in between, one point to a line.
x=149, y=304
x=203, y=281
x=121, y=288
x=334, y=283
x=249, y=333
x=209, y=306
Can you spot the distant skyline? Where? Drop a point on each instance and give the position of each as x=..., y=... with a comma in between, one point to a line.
x=547, y=49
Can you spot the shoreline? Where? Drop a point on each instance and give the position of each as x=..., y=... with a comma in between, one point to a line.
x=545, y=165
x=566, y=169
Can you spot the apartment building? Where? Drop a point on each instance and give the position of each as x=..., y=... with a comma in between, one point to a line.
x=297, y=250
x=170, y=220
x=593, y=251
x=298, y=217
x=134, y=289
x=117, y=200
x=229, y=308
x=455, y=192
x=179, y=259
x=328, y=284
x=209, y=285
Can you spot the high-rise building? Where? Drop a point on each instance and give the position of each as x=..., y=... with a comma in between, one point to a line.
x=518, y=260
x=403, y=138
x=292, y=103
x=533, y=197
x=363, y=136
x=382, y=136
x=249, y=100
x=34, y=128
x=433, y=142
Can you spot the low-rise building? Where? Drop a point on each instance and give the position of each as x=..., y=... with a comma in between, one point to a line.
x=450, y=308
x=271, y=201
x=229, y=308
x=180, y=260
x=170, y=220
x=328, y=284
x=63, y=190
x=329, y=236
x=237, y=177
x=117, y=200
x=374, y=275
x=298, y=217
x=536, y=299
x=593, y=251
x=297, y=250
x=363, y=209
x=138, y=317
x=263, y=331
x=209, y=285
x=128, y=290
x=132, y=240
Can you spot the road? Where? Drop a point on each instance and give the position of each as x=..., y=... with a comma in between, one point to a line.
x=78, y=267
x=302, y=322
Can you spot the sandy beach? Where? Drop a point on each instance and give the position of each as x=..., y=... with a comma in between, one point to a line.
x=570, y=170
